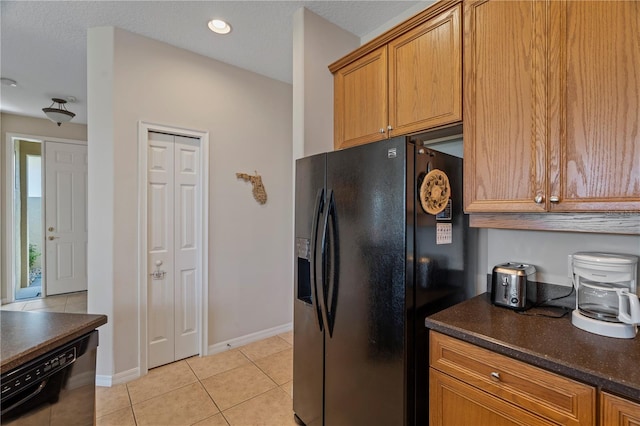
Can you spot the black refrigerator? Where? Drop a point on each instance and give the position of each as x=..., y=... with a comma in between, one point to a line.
x=370, y=264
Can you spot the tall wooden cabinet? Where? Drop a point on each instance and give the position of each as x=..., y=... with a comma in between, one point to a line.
x=551, y=97
x=411, y=82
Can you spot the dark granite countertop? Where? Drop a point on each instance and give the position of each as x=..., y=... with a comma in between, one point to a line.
x=26, y=335
x=554, y=344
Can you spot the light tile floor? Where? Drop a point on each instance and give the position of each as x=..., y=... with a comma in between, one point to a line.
x=70, y=302
x=246, y=386
x=250, y=385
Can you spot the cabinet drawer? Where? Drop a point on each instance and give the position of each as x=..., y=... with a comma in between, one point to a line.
x=554, y=397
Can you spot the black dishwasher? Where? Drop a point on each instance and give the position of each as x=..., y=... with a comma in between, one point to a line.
x=57, y=388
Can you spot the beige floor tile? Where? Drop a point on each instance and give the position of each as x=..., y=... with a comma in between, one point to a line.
x=76, y=308
x=59, y=308
x=238, y=385
x=15, y=306
x=279, y=366
x=217, y=420
x=211, y=365
x=288, y=337
x=111, y=399
x=122, y=417
x=161, y=380
x=77, y=297
x=288, y=388
x=273, y=408
x=263, y=348
x=184, y=406
x=46, y=302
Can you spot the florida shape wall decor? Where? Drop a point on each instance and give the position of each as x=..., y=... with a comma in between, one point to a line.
x=259, y=193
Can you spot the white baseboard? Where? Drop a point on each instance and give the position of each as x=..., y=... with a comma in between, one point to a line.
x=116, y=379
x=249, y=338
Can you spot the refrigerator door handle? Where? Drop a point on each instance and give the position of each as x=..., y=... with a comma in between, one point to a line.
x=333, y=265
x=328, y=263
x=314, y=246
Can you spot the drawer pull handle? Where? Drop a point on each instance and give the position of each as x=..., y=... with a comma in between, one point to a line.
x=495, y=376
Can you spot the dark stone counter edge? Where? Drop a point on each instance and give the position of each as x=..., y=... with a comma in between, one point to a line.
x=52, y=343
x=571, y=371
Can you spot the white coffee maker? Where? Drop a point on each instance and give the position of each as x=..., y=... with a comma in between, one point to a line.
x=606, y=287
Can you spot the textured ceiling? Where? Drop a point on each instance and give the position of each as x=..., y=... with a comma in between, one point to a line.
x=43, y=43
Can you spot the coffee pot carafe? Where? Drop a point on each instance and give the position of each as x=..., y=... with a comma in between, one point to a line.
x=606, y=293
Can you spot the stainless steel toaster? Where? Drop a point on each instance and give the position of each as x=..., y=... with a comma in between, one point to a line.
x=513, y=285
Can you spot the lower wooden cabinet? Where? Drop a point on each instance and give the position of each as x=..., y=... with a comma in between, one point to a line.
x=616, y=411
x=454, y=402
x=474, y=386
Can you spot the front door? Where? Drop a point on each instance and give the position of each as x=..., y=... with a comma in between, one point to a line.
x=65, y=217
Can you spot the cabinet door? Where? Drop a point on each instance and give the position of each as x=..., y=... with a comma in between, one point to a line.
x=616, y=411
x=360, y=100
x=595, y=87
x=505, y=106
x=425, y=75
x=452, y=402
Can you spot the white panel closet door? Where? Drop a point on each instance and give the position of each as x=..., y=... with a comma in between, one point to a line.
x=65, y=217
x=187, y=236
x=173, y=246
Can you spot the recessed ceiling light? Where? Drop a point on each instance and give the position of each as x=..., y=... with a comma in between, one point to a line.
x=8, y=82
x=220, y=27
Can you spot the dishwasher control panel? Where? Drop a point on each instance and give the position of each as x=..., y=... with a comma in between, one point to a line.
x=36, y=371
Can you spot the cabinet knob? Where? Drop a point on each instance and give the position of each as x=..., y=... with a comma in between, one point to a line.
x=554, y=199
x=539, y=199
x=389, y=127
x=381, y=130
x=495, y=375
x=51, y=238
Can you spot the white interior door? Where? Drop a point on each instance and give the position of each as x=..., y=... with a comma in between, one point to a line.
x=65, y=217
x=173, y=208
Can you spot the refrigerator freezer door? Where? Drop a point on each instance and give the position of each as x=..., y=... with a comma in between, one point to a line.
x=364, y=356
x=308, y=337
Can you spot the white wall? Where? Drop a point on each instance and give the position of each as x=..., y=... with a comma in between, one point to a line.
x=248, y=118
x=41, y=128
x=548, y=251
x=317, y=43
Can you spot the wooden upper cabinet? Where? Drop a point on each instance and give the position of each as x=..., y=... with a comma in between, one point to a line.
x=360, y=100
x=504, y=106
x=405, y=81
x=425, y=75
x=552, y=91
x=594, y=108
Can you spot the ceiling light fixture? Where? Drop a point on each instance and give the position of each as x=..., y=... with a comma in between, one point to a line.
x=60, y=114
x=219, y=27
